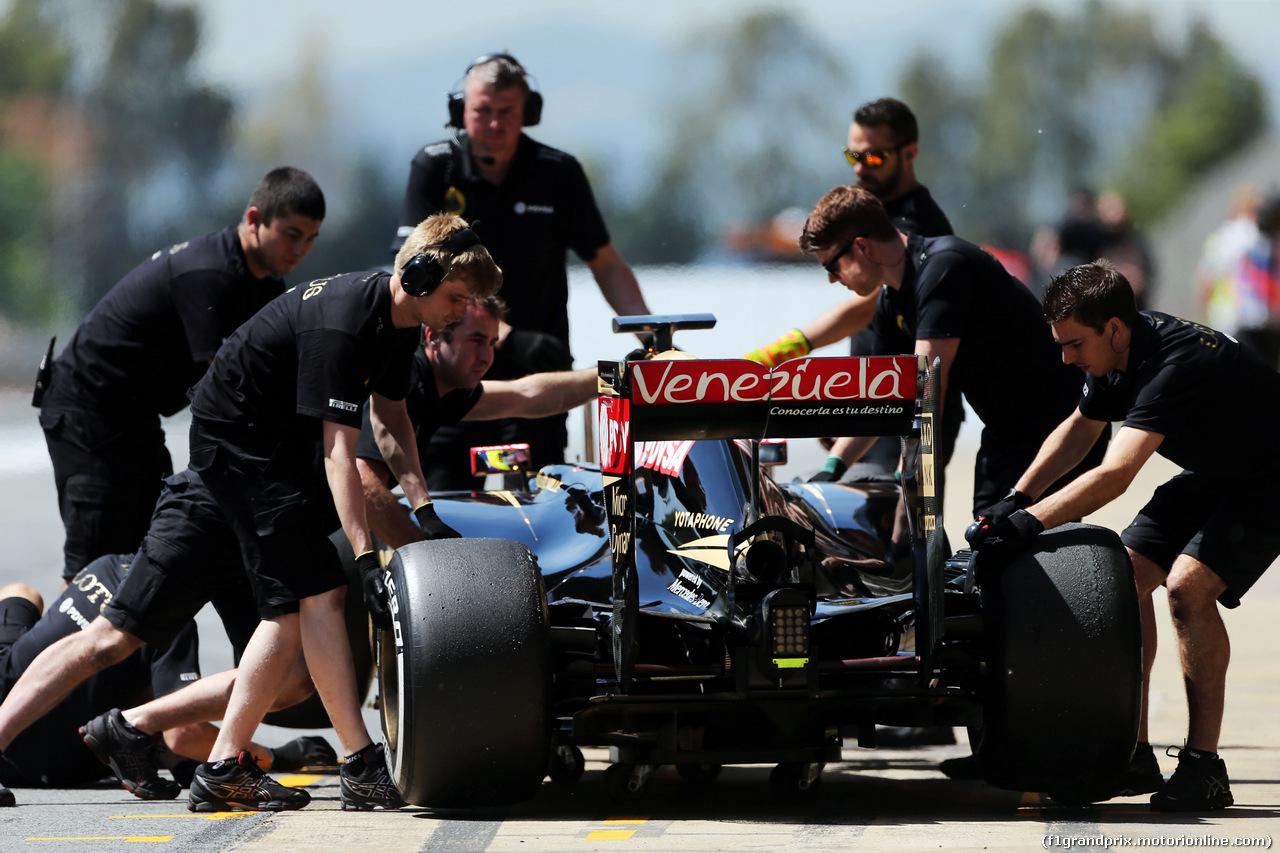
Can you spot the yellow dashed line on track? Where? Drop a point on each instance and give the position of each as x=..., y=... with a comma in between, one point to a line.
x=201, y=815
x=299, y=780
x=616, y=834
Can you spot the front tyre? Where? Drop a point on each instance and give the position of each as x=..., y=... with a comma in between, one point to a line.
x=464, y=684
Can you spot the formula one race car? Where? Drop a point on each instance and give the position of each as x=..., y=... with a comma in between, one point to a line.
x=678, y=606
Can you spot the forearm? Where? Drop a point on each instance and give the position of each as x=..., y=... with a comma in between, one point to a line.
x=617, y=282
x=1084, y=495
x=344, y=484
x=393, y=432
x=840, y=321
x=850, y=449
x=1064, y=449
x=535, y=396
x=388, y=518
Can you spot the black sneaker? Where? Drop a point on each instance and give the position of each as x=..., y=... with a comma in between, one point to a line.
x=1199, y=784
x=6, y=797
x=239, y=785
x=130, y=754
x=365, y=782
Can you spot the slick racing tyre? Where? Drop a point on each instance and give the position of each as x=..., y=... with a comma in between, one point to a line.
x=1062, y=685
x=464, y=686
x=310, y=714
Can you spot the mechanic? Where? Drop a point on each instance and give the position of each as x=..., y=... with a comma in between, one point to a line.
x=943, y=297
x=446, y=388
x=49, y=753
x=532, y=203
x=275, y=421
x=188, y=558
x=883, y=143
x=134, y=356
x=1184, y=391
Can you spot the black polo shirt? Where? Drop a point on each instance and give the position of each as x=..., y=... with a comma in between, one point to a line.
x=427, y=409
x=1214, y=402
x=152, y=336
x=1007, y=366
x=917, y=213
x=542, y=208
x=312, y=354
x=50, y=751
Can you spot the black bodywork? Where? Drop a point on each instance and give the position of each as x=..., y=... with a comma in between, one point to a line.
x=674, y=573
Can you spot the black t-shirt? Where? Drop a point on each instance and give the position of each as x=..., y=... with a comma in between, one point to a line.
x=543, y=207
x=153, y=334
x=427, y=409
x=312, y=354
x=917, y=213
x=1214, y=402
x=50, y=751
x=1007, y=366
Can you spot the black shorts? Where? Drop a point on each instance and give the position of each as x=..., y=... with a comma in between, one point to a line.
x=17, y=617
x=1229, y=526
x=190, y=557
x=279, y=506
x=108, y=470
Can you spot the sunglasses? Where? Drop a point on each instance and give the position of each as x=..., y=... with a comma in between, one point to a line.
x=869, y=158
x=830, y=265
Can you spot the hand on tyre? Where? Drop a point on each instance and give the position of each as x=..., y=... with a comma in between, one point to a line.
x=996, y=513
x=1006, y=540
x=375, y=589
x=432, y=526
x=305, y=751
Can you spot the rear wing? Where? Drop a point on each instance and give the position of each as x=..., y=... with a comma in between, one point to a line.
x=673, y=399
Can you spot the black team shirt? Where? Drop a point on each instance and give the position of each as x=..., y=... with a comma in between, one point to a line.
x=152, y=336
x=313, y=354
x=1214, y=402
x=427, y=409
x=542, y=208
x=1007, y=366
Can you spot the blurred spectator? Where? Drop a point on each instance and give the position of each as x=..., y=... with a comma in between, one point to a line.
x=1125, y=247
x=1078, y=239
x=1224, y=249
x=1257, y=286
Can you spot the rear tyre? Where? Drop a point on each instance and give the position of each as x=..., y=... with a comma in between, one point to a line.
x=464, y=686
x=1063, y=677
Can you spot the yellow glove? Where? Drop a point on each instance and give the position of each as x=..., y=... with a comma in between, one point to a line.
x=791, y=345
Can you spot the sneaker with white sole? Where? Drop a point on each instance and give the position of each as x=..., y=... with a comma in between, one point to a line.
x=240, y=785
x=366, y=784
x=1198, y=784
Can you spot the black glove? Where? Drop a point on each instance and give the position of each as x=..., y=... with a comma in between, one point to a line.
x=1006, y=540
x=536, y=352
x=831, y=472
x=432, y=526
x=996, y=513
x=375, y=589
x=305, y=751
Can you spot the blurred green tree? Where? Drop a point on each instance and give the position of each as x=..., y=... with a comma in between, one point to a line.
x=33, y=68
x=1094, y=96
x=760, y=136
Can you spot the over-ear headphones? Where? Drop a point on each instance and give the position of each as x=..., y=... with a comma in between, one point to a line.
x=532, y=101
x=422, y=273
